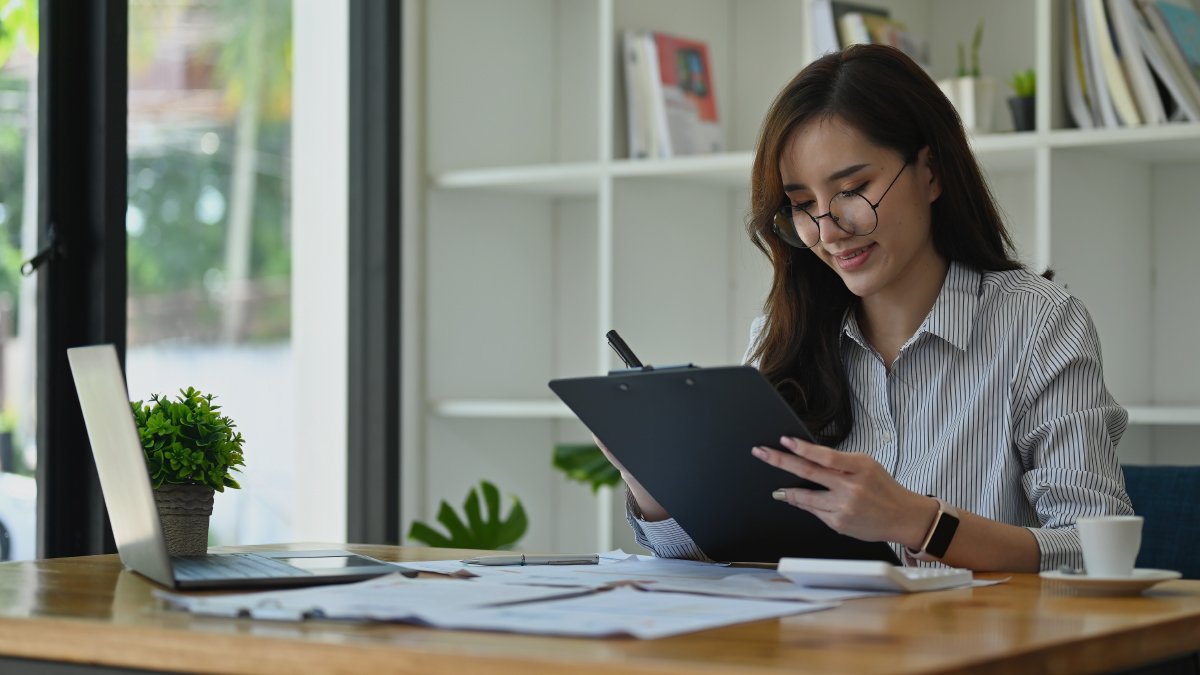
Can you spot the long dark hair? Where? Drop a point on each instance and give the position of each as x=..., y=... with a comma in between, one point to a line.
x=889, y=99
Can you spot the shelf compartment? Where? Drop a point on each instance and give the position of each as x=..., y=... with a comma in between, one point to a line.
x=1004, y=152
x=729, y=169
x=574, y=179
x=502, y=409
x=1164, y=143
x=1164, y=415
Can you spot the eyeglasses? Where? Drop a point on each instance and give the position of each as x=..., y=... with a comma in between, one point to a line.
x=849, y=210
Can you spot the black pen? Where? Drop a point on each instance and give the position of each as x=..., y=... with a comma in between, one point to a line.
x=622, y=350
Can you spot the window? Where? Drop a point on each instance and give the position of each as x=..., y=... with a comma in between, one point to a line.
x=18, y=321
x=236, y=225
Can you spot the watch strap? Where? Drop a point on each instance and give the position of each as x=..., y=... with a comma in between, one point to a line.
x=940, y=534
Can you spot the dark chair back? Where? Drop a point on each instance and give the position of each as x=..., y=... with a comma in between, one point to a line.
x=1168, y=497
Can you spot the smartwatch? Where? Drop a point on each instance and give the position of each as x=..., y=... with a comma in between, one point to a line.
x=940, y=534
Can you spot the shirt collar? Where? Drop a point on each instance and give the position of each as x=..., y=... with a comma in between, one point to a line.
x=952, y=315
x=851, y=329
x=953, y=312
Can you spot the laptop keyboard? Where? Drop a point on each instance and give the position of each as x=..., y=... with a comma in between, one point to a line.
x=231, y=566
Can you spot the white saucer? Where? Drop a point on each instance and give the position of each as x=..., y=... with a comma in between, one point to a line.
x=1131, y=585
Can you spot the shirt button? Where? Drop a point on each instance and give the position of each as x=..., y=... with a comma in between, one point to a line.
x=887, y=437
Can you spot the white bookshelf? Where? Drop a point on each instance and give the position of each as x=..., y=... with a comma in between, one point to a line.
x=539, y=233
x=502, y=409
x=1164, y=415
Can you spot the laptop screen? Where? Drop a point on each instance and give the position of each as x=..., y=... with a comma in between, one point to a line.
x=119, y=461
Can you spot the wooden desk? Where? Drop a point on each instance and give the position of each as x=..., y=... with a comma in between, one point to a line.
x=89, y=611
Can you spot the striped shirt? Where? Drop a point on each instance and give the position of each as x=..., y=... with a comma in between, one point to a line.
x=997, y=405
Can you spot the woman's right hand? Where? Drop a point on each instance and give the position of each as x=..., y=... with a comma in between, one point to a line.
x=649, y=506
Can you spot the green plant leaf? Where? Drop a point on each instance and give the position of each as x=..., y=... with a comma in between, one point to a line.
x=454, y=525
x=471, y=508
x=513, y=528
x=486, y=530
x=491, y=497
x=1024, y=83
x=421, y=532
x=585, y=464
x=186, y=441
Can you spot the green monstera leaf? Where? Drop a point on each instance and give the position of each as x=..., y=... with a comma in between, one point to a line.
x=586, y=464
x=478, y=531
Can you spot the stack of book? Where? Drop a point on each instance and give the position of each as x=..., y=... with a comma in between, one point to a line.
x=670, y=102
x=1128, y=63
x=840, y=24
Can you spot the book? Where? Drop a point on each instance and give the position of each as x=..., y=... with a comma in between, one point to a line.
x=1183, y=26
x=1099, y=99
x=887, y=31
x=1185, y=76
x=684, y=101
x=1111, y=68
x=638, y=107
x=853, y=30
x=1164, y=73
x=853, y=23
x=1122, y=15
x=1073, y=75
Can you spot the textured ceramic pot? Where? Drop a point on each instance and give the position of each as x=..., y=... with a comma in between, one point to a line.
x=184, y=511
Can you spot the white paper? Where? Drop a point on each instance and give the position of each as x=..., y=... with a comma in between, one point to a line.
x=621, y=611
x=653, y=574
x=389, y=598
x=761, y=587
x=609, y=598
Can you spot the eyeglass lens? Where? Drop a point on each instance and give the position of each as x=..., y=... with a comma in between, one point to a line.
x=851, y=212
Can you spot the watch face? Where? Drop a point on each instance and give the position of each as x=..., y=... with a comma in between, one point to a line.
x=943, y=533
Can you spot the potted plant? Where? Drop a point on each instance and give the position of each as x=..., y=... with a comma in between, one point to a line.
x=971, y=93
x=191, y=451
x=1022, y=104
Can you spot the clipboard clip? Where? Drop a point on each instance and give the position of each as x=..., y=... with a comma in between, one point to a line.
x=649, y=368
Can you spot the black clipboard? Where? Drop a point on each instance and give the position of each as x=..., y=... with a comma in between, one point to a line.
x=686, y=434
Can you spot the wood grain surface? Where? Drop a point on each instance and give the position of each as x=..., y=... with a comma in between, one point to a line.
x=89, y=610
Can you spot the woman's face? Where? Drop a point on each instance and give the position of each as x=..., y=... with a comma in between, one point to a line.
x=827, y=157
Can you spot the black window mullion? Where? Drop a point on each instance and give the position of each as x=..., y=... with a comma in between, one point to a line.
x=82, y=166
x=373, y=451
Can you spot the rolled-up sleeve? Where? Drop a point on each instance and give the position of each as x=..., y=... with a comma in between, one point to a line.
x=663, y=538
x=1068, y=427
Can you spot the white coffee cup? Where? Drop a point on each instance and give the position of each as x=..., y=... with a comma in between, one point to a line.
x=1110, y=544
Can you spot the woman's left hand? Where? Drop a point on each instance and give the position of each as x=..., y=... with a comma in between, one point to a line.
x=863, y=500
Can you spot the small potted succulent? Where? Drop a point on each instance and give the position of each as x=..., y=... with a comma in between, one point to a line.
x=971, y=92
x=1023, y=104
x=191, y=451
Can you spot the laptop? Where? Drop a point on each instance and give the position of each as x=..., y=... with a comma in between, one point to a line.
x=125, y=482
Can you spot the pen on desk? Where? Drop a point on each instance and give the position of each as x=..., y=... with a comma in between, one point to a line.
x=519, y=559
x=622, y=349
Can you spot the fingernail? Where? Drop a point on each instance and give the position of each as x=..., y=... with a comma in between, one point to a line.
x=758, y=452
x=780, y=495
x=787, y=441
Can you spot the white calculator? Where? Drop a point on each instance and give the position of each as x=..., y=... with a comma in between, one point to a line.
x=871, y=575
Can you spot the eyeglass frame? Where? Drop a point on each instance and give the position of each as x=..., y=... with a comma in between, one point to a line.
x=791, y=210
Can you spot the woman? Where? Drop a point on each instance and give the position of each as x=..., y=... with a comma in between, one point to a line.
x=959, y=398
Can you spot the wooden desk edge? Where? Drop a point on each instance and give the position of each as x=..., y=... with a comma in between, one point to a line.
x=244, y=644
